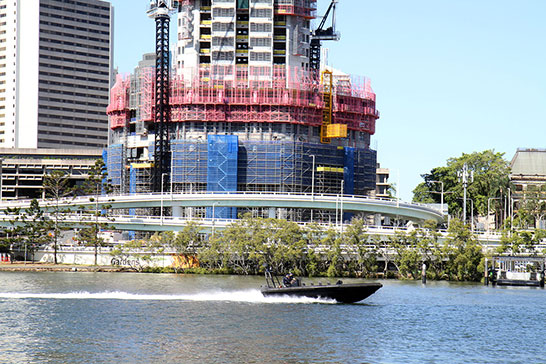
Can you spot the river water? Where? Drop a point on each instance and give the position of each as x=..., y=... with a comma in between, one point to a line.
x=160, y=318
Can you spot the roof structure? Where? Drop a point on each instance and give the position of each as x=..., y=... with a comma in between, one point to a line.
x=529, y=162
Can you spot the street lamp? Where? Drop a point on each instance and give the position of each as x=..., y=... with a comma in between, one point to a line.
x=1, y=177
x=172, y=175
x=313, y=178
x=312, y=184
x=488, y=209
x=471, y=214
x=213, y=219
x=341, y=206
x=162, y=183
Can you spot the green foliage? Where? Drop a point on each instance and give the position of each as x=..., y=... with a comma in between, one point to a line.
x=514, y=241
x=95, y=185
x=188, y=240
x=491, y=177
x=29, y=229
x=249, y=245
x=57, y=187
x=532, y=207
x=463, y=253
x=364, y=251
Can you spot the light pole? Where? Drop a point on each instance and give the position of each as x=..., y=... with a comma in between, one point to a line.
x=488, y=209
x=172, y=174
x=464, y=175
x=471, y=214
x=312, y=184
x=213, y=217
x=161, y=208
x=341, y=206
x=313, y=178
x=1, y=177
x=441, y=195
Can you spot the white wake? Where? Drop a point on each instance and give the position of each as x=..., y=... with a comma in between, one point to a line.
x=249, y=296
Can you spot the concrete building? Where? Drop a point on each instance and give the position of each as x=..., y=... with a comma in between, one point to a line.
x=22, y=171
x=381, y=182
x=55, y=73
x=244, y=33
x=247, y=113
x=527, y=168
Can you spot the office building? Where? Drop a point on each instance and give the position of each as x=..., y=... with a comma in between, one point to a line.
x=55, y=73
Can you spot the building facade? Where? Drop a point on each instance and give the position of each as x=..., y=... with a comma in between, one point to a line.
x=244, y=33
x=247, y=114
x=527, y=168
x=382, y=184
x=55, y=73
x=22, y=171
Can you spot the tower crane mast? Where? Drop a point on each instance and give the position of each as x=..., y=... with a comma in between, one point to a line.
x=160, y=11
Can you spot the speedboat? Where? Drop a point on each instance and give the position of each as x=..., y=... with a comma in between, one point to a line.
x=340, y=292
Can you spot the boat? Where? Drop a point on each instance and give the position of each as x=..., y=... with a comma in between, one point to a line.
x=340, y=292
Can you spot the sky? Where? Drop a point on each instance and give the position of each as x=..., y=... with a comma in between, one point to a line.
x=451, y=76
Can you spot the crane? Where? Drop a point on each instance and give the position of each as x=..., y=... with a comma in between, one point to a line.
x=161, y=10
x=321, y=34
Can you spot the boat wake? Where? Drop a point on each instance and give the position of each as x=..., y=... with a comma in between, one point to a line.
x=247, y=296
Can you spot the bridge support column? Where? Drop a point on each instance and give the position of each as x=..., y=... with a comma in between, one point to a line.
x=377, y=219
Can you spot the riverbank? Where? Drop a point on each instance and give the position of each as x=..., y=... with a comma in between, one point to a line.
x=49, y=267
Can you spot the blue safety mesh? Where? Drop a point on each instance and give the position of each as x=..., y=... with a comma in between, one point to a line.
x=222, y=170
x=114, y=163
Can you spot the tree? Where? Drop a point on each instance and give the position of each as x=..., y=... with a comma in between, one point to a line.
x=188, y=240
x=357, y=240
x=532, y=207
x=29, y=229
x=57, y=187
x=463, y=252
x=36, y=228
x=95, y=185
x=517, y=241
x=491, y=177
x=312, y=235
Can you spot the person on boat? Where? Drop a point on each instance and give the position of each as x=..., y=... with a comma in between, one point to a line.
x=289, y=280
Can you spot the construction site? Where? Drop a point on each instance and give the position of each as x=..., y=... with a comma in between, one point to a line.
x=246, y=105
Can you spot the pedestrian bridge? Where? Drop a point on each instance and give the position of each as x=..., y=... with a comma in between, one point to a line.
x=342, y=203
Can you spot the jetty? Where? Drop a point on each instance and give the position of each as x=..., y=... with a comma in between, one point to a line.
x=515, y=271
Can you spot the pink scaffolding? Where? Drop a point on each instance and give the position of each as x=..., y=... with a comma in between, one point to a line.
x=267, y=94
x=118, y=110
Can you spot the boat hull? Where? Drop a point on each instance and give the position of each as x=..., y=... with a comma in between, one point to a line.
x=521, y=283
x=343, y=293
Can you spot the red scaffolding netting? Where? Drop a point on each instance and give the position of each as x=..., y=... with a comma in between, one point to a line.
x=253, y=94
x=118, y=110
x=303, y=8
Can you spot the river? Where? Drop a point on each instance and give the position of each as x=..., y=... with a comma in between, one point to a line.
x=54, y=317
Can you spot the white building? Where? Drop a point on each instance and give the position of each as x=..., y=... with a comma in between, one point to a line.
x=244, y=33
x=55, y=73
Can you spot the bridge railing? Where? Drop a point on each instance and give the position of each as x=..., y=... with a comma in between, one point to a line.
x=112, y=197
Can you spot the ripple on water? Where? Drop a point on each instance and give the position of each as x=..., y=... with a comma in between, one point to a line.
x=139, y=318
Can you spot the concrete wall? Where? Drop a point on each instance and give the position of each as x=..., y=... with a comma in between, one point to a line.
x=86, y=256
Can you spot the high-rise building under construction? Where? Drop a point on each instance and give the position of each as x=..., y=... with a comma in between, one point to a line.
x=248, y=111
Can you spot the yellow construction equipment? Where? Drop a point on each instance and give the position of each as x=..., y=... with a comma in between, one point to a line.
x=336, y=131
x=327, y=81
x=327, y=129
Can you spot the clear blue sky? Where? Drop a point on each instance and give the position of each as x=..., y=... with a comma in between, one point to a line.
x=451, y=76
